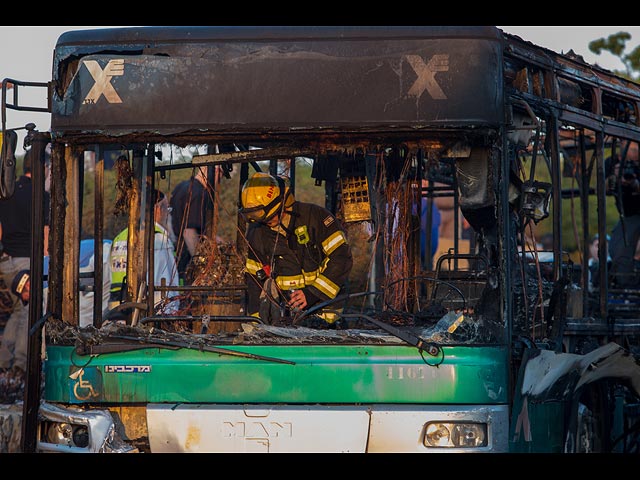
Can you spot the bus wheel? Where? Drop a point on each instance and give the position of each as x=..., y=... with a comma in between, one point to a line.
x=585, y=433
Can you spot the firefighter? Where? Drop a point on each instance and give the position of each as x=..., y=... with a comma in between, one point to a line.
x=298, y=253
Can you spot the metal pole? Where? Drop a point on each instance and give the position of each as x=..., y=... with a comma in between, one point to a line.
x=585, y=176
x=556, y=181
x=98, y=232
x=34, y=364
x=601, y=207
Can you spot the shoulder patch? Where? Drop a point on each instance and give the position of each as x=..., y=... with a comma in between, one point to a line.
x=328, y=221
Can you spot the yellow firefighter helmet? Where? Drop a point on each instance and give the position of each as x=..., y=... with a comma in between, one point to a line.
x=262, y=197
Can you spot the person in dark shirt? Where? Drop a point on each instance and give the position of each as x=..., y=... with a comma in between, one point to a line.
x=15, y=235
x=189, y=202
x=625, y=236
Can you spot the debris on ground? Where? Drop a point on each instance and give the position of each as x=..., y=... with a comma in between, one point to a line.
x=11, y=385
x=10, y=427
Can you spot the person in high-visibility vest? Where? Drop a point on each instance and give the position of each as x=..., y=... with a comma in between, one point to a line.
x=298, y=252
x=164, y=261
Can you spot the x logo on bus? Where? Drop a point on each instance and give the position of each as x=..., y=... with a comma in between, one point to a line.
x=426, y=75
x=103, y=86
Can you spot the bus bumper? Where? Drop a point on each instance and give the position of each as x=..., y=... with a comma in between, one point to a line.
x=327, y=428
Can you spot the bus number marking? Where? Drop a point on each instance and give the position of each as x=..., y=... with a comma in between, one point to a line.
x=405, y=373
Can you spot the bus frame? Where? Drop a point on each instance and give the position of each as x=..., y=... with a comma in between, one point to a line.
x=470, y=108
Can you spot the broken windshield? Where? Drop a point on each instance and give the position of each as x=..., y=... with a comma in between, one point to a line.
x=418, y=269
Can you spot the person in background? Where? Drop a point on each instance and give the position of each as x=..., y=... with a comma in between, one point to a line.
x=298, y=253
x=435, y=227
x=445, y=206
x=625, y=236
x=15, y=235
x=164, y=262
x=594, y=261
x=189, y=202
x=593, y=249
x=21, y=288
x=86, y=265
x=546, y=242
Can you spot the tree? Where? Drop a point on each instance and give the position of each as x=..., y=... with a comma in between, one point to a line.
x=616, y=45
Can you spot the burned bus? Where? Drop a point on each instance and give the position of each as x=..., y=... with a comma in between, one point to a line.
x=458, y=336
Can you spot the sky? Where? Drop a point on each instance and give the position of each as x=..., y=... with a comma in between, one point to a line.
x=26, y=54
x=562, y=39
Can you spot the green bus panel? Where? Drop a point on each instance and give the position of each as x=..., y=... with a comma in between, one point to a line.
x=538, y=427
x=327, y=374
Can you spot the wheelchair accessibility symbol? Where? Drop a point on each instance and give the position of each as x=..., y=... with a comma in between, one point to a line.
x=83, y=387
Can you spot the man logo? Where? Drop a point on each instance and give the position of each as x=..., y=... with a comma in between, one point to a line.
x=115, y=68
x=426, y=75
x=255, y=430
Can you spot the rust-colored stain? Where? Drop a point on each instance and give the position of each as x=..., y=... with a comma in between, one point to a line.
x=193, y=437
x=133, y=419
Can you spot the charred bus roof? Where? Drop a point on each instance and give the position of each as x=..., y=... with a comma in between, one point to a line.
x=184, y=35
x=256, y=80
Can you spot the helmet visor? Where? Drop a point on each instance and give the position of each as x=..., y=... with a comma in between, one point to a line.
x=254, y=214
x=261, y=213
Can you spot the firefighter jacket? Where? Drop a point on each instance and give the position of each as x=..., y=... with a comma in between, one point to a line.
x=310, y=252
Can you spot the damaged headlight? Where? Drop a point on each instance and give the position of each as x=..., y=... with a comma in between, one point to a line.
x=79, y=431
x=455, y=435
x=66, y=434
